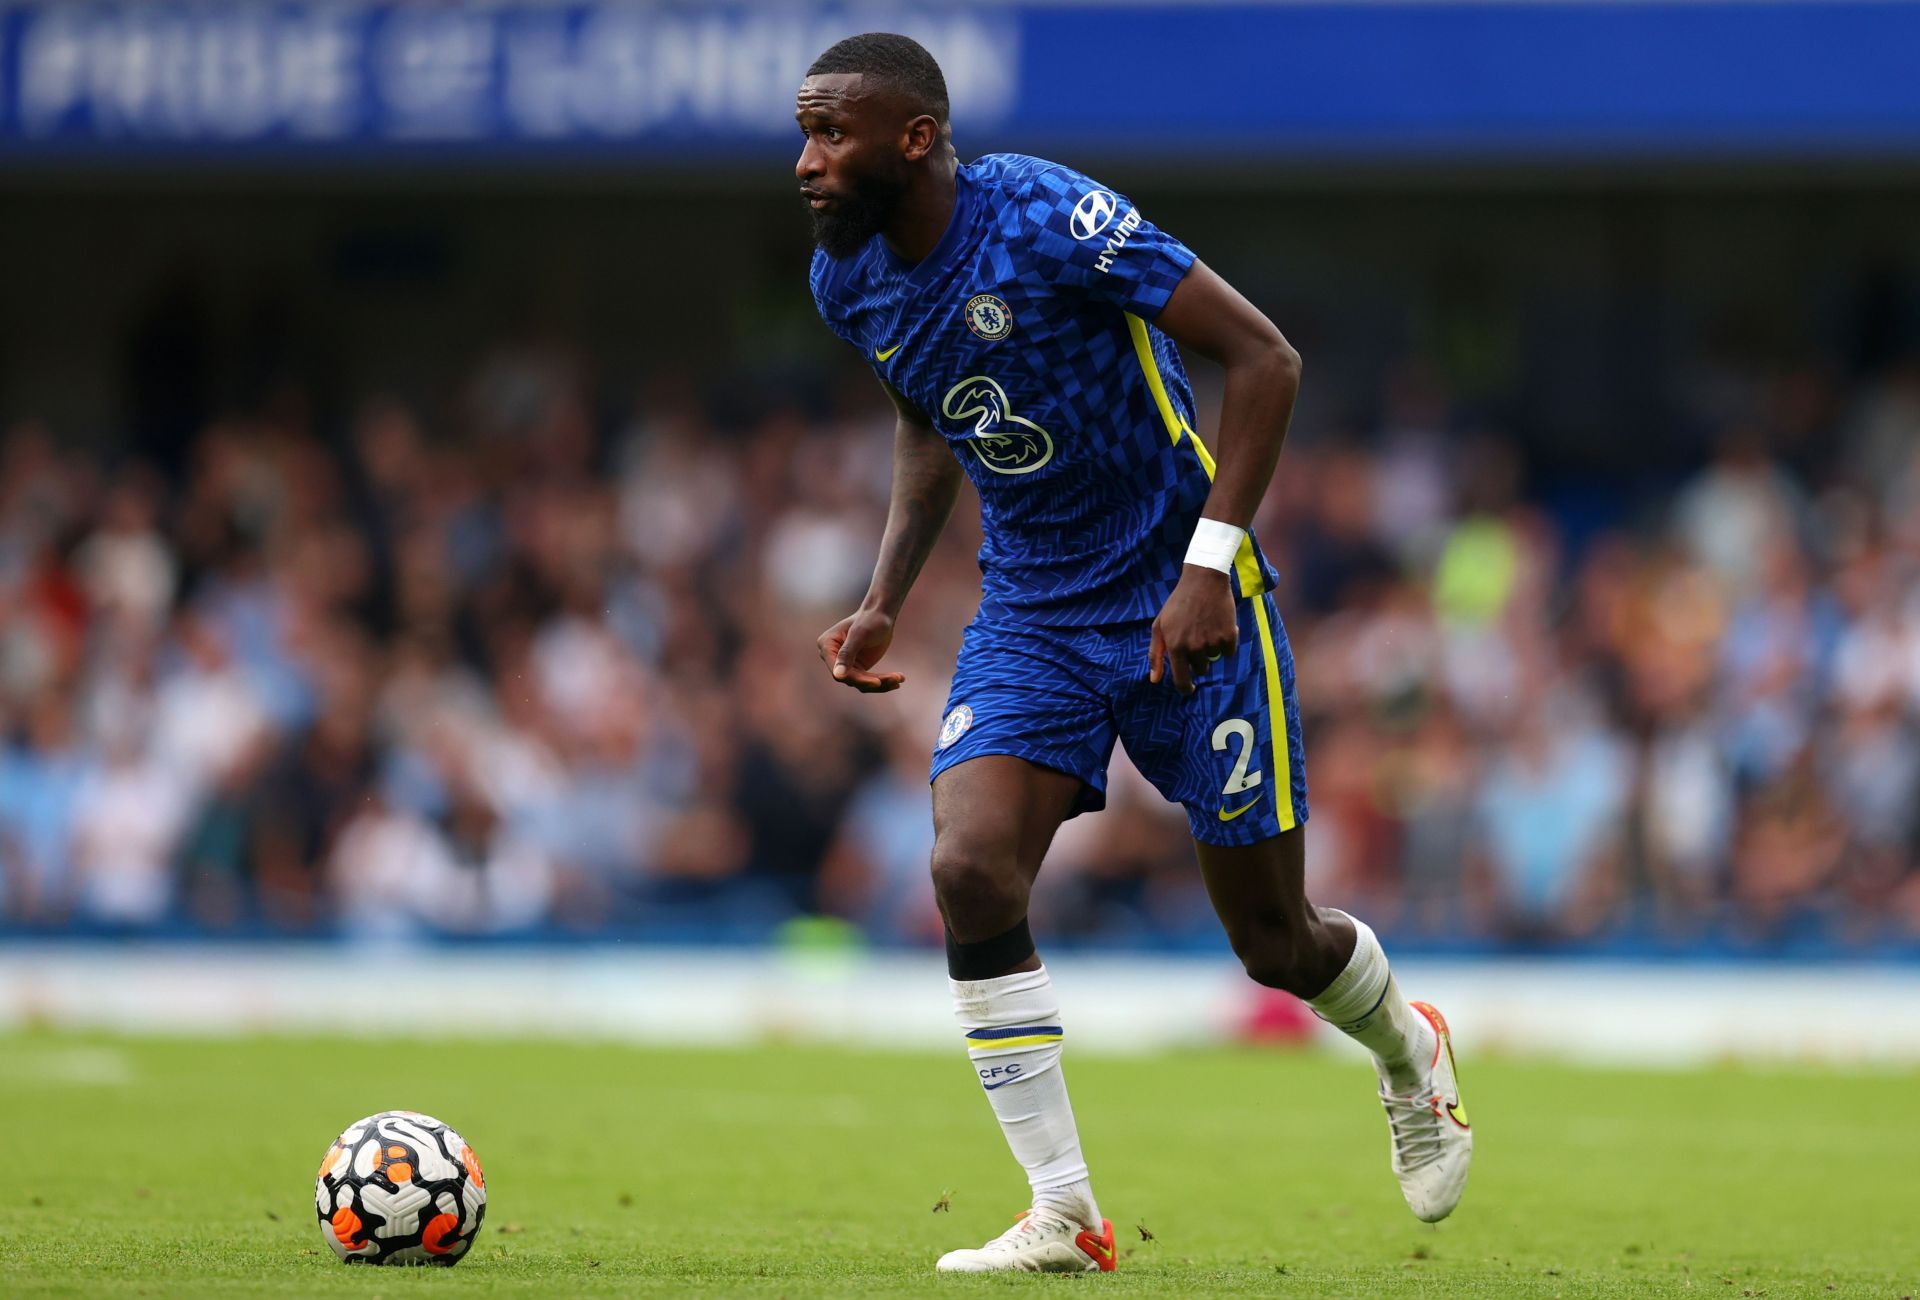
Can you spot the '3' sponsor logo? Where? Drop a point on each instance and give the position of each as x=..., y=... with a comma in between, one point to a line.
x=1006, y=443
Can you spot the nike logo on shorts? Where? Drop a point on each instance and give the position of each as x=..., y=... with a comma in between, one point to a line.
x=1226, y=816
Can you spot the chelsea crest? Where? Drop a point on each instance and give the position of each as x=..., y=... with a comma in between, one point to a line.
x=988, y=317
x=955, y=725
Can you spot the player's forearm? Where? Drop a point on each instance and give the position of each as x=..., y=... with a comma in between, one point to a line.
x=1255, y=411
x=926, y=482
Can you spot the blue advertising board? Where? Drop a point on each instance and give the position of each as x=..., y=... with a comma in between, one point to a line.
x=1372, y=79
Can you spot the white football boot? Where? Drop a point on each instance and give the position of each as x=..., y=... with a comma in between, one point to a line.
x=1432, y=1143
x=1039, y=1241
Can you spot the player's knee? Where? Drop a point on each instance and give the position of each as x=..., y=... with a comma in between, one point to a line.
x=981, y=892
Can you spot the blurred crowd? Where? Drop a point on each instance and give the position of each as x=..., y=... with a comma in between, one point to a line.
x=524, y=662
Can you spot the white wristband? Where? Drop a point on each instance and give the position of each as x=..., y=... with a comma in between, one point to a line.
x=1215, y=545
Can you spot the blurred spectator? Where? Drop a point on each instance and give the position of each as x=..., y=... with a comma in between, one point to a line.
x=1738, y=509
x=1550, y=820
x=40, y=781
x=128, y=814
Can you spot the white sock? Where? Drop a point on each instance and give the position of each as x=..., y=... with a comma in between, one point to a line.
x=1364, y=1003
x=1013, y=1035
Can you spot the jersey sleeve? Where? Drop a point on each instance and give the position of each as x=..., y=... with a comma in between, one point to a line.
x=1084, y=237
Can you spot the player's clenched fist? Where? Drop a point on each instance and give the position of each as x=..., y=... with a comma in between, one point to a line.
x=1196, y=626
x=851, y=647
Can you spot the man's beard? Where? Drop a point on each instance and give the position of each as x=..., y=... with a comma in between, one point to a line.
x=858, y=215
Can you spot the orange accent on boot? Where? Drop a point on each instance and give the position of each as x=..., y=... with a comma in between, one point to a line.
x=1454, y=1110
x=1441, y=1038
x=1100, y=1246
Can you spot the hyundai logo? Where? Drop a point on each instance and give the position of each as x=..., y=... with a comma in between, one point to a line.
x=1092, y=214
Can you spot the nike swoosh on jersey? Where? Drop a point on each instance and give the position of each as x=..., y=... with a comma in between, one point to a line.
x=1226, y=816
x=878, y=355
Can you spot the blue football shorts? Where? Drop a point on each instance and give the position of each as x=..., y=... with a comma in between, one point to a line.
x=1059, y=697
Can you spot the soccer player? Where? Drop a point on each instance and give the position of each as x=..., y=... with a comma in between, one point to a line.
x=1023, y=319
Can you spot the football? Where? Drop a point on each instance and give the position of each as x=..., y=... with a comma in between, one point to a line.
x=400, y=1188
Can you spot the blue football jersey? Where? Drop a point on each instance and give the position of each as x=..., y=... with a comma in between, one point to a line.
x=1027, y=338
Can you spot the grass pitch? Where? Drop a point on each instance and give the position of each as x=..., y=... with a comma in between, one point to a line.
x=167, y=1167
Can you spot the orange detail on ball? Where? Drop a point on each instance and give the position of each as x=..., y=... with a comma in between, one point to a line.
x=472, y=1162
x=346, y=1228
x=438, y=1229
x=400, y=1172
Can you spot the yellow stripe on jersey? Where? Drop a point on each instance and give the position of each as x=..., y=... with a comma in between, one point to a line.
x=1143, y=349
x=1246, y=563
x=1276, y=718
x=1206, y=457
x=1246, y=566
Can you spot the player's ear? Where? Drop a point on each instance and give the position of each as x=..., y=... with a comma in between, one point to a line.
x=923, y=134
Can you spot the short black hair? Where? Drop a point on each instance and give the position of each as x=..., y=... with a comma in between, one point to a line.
x=900, y=61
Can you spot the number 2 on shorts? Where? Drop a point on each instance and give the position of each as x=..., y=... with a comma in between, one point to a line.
x=1241, y=780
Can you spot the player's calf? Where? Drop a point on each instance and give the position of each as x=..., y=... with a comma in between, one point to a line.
x=1299, y=954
